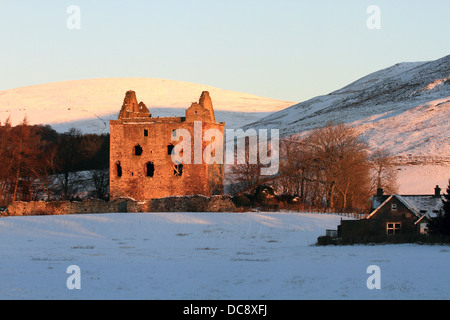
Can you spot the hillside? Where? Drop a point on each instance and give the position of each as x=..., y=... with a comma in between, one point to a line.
x=405, y=108
x=89, y=104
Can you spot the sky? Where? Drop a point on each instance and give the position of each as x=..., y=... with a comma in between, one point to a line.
x=290, y=50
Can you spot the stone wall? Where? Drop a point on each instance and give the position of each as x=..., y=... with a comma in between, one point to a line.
x=192, y=204
x=66, y=207
x=170, y=204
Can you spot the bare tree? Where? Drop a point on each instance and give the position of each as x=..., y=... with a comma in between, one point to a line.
x=247, y=174
x=328, y=167
x=100, y=179
x=295, y=164
x=27, y=148
x=45, y=182
x=384, y=173
x=6, y=159
x=66, y=159
x=337, y=151
x=245, y=177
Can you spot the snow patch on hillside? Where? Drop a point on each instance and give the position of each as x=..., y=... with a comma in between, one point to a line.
x=422, y=179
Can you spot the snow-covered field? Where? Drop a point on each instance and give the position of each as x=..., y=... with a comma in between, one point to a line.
x=217, y=256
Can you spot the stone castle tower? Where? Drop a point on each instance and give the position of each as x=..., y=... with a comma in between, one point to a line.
x=141, y=165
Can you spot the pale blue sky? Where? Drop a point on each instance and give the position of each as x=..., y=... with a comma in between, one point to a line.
x=285, y=49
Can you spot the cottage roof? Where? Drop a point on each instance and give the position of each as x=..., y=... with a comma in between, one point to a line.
x=420, y=205
x=425, y=204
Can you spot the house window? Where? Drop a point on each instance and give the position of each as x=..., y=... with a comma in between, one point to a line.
x=150, y=169
x=424, y=228
x=178, y=170
x=394, y=206
x=145, y=133
x=393, y=227
x=138, y=150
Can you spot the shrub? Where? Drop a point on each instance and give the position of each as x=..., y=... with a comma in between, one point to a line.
x=326, y=240
x=241, y=201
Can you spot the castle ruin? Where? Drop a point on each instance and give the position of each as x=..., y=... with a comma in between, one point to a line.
x=141, y=148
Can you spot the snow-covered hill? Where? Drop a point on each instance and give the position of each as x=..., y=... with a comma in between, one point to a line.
x=405, y=108
x=89, y=104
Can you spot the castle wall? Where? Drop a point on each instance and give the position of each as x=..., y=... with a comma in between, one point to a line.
x=170, y=204
x=154, y=139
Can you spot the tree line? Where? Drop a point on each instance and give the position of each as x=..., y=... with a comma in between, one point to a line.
x=38, y=163
x=329, y=168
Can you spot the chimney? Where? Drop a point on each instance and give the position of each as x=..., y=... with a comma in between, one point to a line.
x=437, y=192
x=380, y=192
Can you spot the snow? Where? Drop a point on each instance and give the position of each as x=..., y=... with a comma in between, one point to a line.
x=420, y=203
x=422, y=179
x=404, y=109
x=89, y=104
x=199, y=256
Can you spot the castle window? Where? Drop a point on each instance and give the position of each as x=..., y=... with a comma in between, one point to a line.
x=119, y=169
x=150, y=169
x=178, y=170
x=145, y=133
x=170, y=149
x=138, y=150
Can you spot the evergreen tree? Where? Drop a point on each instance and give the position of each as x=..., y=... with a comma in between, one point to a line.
x=446, y=201
x=441, y=224
x=446, y=209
